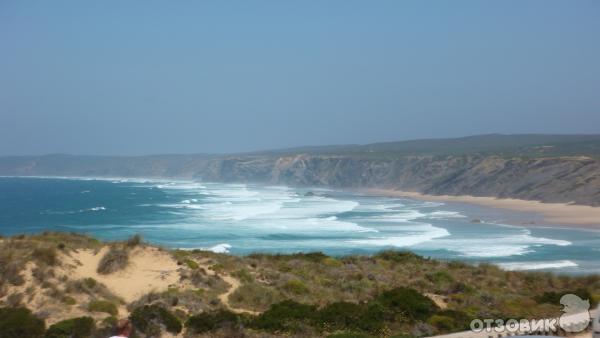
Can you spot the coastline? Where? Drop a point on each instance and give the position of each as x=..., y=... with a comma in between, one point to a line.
x=563, y=214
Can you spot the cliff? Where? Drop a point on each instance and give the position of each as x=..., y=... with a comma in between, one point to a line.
x=539, y=167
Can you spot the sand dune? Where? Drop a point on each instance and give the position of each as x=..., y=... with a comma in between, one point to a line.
x=149, y=270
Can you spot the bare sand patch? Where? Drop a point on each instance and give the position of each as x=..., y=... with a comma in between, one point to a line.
x=150, y=269
x=439, y=300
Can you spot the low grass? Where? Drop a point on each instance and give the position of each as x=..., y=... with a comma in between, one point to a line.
x=99, y=305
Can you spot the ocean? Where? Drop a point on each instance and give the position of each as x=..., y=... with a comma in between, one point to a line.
x=247, y=218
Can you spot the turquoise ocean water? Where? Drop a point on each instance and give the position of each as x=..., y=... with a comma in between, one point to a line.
x=244, y=218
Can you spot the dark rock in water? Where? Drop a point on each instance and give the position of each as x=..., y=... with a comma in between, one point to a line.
x=309, y=194
x=327, y=195
x=476, y=220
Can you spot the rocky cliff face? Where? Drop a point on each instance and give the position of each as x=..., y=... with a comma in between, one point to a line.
x=548, y=179
x=564, y=179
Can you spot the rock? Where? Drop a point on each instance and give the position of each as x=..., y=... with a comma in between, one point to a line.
x=475, y=220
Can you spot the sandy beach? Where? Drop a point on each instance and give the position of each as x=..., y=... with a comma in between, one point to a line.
x=553, y=213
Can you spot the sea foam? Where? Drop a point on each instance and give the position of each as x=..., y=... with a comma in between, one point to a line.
x=543, y=265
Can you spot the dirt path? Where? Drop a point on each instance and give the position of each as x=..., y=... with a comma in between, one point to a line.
x=224, y=297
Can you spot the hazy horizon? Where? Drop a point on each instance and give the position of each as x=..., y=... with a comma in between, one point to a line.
x=141, y=78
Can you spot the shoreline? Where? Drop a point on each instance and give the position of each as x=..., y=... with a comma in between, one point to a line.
x=553, y=214
x=562, y=214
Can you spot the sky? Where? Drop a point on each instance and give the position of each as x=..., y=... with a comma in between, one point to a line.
x=154, y=77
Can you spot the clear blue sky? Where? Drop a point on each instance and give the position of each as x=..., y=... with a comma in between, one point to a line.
x=141, y=77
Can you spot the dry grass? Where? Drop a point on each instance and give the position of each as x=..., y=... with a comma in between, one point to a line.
x=114, y=260
x=482, y=291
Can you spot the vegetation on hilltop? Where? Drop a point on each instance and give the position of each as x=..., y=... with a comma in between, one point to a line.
x=547, y=168
x=392, y=293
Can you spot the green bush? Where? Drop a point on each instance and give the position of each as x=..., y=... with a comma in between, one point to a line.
x=287, y=316
x=69, y=300
x=340, y=315
x=450, y=321
x=397, y=256
x=349, y=335
x=103, y=306
x=20, y=323
x=439, y=277
x=149, y=318
x=208, y=321
x=114, y=260
x=191, y=264
x=90, y=282
x=554, y=297
x=296, y=287
x=81, y=327
x=244, y=276
x=315, y=257
x=407, y=301
x=255, y=296
x=372, y=319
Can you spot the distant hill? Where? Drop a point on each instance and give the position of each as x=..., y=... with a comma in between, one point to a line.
x=497, y=144
x=549, y=168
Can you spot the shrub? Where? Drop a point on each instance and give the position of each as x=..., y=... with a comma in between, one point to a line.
x=103, y=306
x=439, y=277
x=81, y=327
x=554, y=297
x=449, y=321
x=69, y=300
x=349, y=335
x=255, y=296
x=457, y=265
x=397, y=256
x=45, y=255
x=90, y=282
x=296, y=287
x=244, y=276
x=10, y=272
x=134, y=241
x=315, y=257
x=14, y=299
x=287, y=316
x=208, y=321
x=407, y=301
x=191, y=264
x=149, y=319
x=373, y=318
x=19, y=323
x=340, y=315
x=114, y=260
